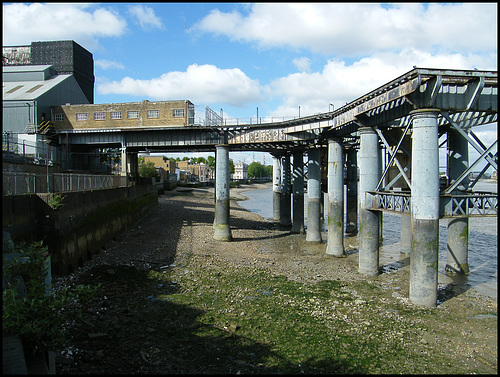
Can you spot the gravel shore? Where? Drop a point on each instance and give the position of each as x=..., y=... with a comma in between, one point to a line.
x=179, y=232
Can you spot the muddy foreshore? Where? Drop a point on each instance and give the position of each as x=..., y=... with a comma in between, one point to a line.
x=176, y=239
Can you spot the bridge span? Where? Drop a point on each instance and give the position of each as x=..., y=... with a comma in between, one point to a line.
x=408, y=120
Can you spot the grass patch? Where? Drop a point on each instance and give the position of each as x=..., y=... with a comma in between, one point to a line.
x=304, y=328
x=210, y=316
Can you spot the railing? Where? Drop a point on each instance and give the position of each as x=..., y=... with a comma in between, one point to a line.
x=392, y=201
x=472, y=205
x=29, y=183
x=478, y=204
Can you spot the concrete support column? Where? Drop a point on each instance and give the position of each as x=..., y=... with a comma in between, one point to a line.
x=222, y=202
x=124, y=162
x=406, y=234
x=313, y=197
x=276, y=188
x=369, y=175
x=335, y=244
x=298, y=193
x=458, y=229
x=352, y=192
x=424, y=208
x=286, y=192
x=130, y=165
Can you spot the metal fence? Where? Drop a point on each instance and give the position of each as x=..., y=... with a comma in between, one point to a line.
x=14, y=147
x=26, y=183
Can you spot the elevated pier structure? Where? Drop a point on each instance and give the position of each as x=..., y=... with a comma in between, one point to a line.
x=406, y=120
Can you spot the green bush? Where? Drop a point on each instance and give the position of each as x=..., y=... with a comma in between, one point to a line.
x=38, y=317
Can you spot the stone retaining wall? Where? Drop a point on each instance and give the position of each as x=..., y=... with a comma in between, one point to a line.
x=85, y=222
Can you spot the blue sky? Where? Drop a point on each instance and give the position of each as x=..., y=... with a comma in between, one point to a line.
x=275, y=57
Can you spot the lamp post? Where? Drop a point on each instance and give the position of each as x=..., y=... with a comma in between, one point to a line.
x=299, y=111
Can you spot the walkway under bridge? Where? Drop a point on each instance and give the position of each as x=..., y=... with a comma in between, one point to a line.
x=409, y=118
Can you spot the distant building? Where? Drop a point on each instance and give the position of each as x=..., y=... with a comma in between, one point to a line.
x=240, y=171
x=200, y=171
x=162, y=162
x=495, y=174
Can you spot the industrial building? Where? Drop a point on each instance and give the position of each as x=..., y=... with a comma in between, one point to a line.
x=67, y=57
x=30, y=91
x=35, y=78
x=148, y=114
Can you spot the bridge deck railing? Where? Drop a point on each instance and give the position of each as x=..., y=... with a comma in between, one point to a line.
x=478, y=204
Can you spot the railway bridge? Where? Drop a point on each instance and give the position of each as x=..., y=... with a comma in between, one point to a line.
x=407, y=121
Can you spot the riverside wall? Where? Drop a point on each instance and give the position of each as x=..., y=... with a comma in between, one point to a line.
x=83, y=223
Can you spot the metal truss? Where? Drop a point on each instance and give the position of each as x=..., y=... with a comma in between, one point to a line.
x=402, y=172
x=475, y=205
x=484, y=153
x=451, y=206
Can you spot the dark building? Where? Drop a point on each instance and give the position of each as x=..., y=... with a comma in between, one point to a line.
x=67, y=57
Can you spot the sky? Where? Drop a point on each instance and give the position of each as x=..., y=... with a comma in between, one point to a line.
x=277, y=60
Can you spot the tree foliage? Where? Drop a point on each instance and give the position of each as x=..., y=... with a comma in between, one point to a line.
x=256, y=170
x=147, y=169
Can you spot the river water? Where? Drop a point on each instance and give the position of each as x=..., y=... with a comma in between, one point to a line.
x=483, y=241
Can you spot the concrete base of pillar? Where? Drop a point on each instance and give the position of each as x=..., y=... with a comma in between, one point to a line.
x=458, y=247
x=405, y=234
x=298, y=214
x=222, y=230
x=368, y=242
x=424, y=262
x=222, y=233
x=276, y=206
x=335, y=243
x=313, y=221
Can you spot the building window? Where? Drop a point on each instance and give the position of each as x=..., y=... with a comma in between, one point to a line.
x=153, y=113
x=99, y=116
x=179, y=113
x=58, y=117
x=81, y=116
x=133, y=114
x=115, y=115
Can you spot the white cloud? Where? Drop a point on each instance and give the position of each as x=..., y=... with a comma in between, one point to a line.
x=339, y=83
x=351, y=29
x=83, y=23
x=108, y=64
x=199, y=83
x=145, y=17
x=302, y=64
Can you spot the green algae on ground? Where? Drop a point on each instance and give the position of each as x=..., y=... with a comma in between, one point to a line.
x=310, y=328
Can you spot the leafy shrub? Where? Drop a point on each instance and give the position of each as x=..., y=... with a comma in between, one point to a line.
x=38, y=317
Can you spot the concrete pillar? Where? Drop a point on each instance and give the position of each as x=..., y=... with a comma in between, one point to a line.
x=222, y=202
x=369, y=175
x=286, y=192
x=424, y=208
x=352, y=192
x=406, y=234
x=298, y=193
x=313, y=197
x=276, y=188
x=380, y=213
x=458, y=229
x=130, y=165
x=124, y=162
x=335, y=243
